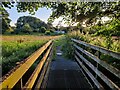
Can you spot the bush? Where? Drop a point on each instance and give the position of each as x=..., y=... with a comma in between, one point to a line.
x=103, y=41
x=52, y=31
x=106, y=42
x=67, y=47
x=42, y=29
x=35, y=30
x=26, y=28
x=47, y=33
x=111, y=29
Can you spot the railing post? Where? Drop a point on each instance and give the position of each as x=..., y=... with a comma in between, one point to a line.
x=19, y=84
x=93, y=52
x=98, y=55
x=83, y=47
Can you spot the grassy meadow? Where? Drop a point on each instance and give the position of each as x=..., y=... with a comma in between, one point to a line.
x=16, y=48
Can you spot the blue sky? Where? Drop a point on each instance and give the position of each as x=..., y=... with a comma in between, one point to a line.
x=42, y=13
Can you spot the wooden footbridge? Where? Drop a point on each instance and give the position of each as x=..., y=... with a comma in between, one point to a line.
x=86, y=72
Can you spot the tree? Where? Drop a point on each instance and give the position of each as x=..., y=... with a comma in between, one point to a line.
x=80, y=12
x=47, y=32
x=26, y=28
x=111, y=29
x=5, y=20
x=42, y=29
x=33, y=22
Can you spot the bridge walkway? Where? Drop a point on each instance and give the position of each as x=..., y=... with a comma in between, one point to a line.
x=66, y=74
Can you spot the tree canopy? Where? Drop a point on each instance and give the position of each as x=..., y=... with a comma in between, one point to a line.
x=5, y=20
x=88, y=12
x=32, y=23
x=72, y=11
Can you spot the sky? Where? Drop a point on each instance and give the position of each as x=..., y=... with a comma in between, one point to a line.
x=42, y=13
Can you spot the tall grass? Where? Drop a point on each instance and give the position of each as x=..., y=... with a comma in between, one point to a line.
x=17, y=48
x=13, y=52
x=105, y=42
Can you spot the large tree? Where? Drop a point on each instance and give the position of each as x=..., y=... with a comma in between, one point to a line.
x=34, y=23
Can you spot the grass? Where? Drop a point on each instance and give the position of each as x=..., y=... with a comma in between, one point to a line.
x=26, y=38
x=16, y=48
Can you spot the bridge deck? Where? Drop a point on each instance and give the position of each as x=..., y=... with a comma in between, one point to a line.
x=66, y=74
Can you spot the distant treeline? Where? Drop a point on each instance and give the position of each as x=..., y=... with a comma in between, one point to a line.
x=28, y=24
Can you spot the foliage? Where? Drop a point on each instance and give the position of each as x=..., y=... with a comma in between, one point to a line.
x=114, y=26
x=47, y=33
x=42, y=29
x=108, y=29
x=88, y=12
x=113, y=45
x=67, y=47
x=84, y=11
x=30, y=24
x=26, y=28
x=75, y=11
x=103, y=41
x=5, y=20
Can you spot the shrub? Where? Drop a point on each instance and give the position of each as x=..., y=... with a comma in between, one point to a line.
x=103, y=41
x=26, y=28
x=68, y=48
x=47, y=33
x=42, y=29
x=111, y=29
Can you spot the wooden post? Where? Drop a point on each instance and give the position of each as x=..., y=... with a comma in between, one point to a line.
x=83, y=53
x=83, y=47
x=98, y=54
x=19, y=84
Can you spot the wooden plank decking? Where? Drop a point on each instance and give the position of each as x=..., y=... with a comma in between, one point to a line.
x=66, y=74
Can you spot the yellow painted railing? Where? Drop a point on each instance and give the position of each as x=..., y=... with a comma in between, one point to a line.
x=15, y=76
